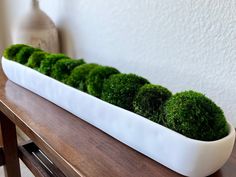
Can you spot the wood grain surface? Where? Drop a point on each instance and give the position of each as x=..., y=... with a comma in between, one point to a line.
x=76, y=147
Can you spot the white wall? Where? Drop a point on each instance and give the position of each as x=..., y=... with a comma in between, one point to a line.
x=179, y=44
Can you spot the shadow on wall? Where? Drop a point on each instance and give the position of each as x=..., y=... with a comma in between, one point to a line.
x=66, y=40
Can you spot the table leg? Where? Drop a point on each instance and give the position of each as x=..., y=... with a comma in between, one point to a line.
x=9, y=142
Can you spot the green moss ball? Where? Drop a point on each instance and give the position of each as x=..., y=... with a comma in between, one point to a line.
x=195, y=116
x=120, y=89
x=79, y=76
x=11, y=51
x=47, y=64
x=24, y=53
x=35, y=59
x=97, y=77
x=63, y=67
x=150, y=100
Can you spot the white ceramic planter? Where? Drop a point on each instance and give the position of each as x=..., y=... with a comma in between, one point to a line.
x=186, y=156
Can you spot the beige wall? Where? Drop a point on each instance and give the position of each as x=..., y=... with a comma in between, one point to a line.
x=2, y=33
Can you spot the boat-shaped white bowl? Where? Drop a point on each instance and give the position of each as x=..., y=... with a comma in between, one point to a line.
x=186, y=156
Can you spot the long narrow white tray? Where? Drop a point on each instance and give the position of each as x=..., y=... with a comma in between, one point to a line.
x=184, y=155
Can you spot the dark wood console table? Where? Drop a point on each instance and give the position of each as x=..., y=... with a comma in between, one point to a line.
x=73, y=146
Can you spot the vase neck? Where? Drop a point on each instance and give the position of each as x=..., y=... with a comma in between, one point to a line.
x=35, y=4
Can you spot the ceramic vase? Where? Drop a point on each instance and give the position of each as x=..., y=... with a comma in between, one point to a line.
x=37, y=29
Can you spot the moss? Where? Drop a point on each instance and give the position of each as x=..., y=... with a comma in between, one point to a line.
x=97, y=77
x=35, y=59
x=63, y=67
x=120, y=89
x=47, y=64
x=149, y=101
x=195, y=116
x=24, y=53
x=11, y=51
x=79, y=75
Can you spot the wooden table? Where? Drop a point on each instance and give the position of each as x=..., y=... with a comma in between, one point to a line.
x=74, y=146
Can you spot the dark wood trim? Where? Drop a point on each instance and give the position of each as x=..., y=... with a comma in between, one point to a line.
x=9, y=140
x=37, y=162
x=2, y=160
x=31, y=163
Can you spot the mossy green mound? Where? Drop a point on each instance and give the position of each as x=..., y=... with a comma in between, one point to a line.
x=47, y=64
x=63, y=67
x=79, y=76
x=150, y=100
x=120, y=89
x=35, y=59
x=24, y=53
x=97, y=77
x=195, y=116
x=189, y=113
x=11, y=51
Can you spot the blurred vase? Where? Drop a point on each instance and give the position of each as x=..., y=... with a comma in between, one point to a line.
x=37, y=29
